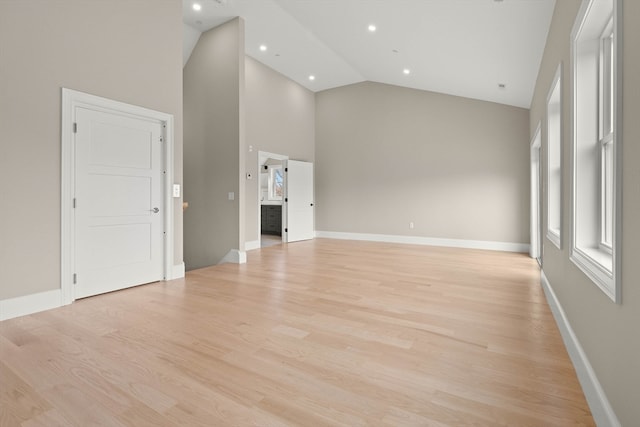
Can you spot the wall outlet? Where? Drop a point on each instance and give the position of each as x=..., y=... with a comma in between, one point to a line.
x=411, y=225
x=231, y=195
x=176, y=190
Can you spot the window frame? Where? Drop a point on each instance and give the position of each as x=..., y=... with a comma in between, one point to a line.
x=554, y=174
x=606, y=135
x=598, y=260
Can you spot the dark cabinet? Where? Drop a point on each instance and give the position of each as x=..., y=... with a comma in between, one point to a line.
x=271, y=221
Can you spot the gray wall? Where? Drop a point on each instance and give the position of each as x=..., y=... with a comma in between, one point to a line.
x=123, y=50
x=214, y=145
x=386, y=156
x=609, y=333
x=280, y=119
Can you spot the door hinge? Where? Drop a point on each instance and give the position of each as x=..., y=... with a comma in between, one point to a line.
x=75, y=128
x=286, y=169
x=161, y=139
x=75, y=278
x=286, y=199
x=74, y=203
x=286, y=230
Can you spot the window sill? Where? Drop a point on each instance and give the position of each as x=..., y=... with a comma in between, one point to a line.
x=598, y=266
x=554, y=237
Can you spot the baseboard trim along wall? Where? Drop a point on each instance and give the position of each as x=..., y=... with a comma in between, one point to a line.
x=596, y=398
x=427, y=241
x=29, y=304
x=234, y=256
x=177, y=272
x=253, y=244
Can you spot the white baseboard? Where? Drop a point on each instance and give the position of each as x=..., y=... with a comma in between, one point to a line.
x=29, y=304
x=427, y=241
x=596, y=398
x=253, y=244
x=177, y=272
x=234, y=256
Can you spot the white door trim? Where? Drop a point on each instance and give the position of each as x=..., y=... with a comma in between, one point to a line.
x=536, y=196
x=71, y=100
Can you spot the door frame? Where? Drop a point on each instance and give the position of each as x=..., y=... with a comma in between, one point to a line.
x=263, y=156
x=71, y=100
x=535, y=250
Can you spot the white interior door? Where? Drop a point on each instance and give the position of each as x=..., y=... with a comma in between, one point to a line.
x=299, y=200
x=118, y=202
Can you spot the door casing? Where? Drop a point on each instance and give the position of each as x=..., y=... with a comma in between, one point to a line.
x=71, y=100
x=536, y=197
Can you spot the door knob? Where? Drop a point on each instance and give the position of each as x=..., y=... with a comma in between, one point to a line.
x=155, y=210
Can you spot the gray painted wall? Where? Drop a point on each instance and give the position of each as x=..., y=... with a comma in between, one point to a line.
x=123, y=50
x=280, y=119
x=386, y=156
x=609, y=333
x=214, y=146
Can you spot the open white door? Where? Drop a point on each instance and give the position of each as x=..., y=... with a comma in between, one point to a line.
x=299, y=201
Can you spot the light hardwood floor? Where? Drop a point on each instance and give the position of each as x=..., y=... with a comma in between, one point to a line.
x=325, y=332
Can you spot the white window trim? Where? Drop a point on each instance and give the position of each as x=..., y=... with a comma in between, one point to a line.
x=555, y=236
x=603, y=267
x=606, y=137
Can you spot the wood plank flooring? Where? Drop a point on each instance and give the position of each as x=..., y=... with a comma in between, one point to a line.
x=317, y=333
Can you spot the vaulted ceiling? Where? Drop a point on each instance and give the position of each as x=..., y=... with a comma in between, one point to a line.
x=482, y=49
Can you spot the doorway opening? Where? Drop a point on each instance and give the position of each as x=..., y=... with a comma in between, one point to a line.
x=536, y=196
x=271, y=214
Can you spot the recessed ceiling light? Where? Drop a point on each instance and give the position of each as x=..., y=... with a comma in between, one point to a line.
x=263, y=48
x=312, y=77
x=196, y=6
x=406, y=71
x=372, y=28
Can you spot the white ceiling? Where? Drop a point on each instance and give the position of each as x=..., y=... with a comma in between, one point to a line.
x=458, y=47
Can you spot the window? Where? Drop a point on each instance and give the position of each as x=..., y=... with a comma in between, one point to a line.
x=595, y=144
x=605, y=110
x=276, y=183
x=554, y=160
